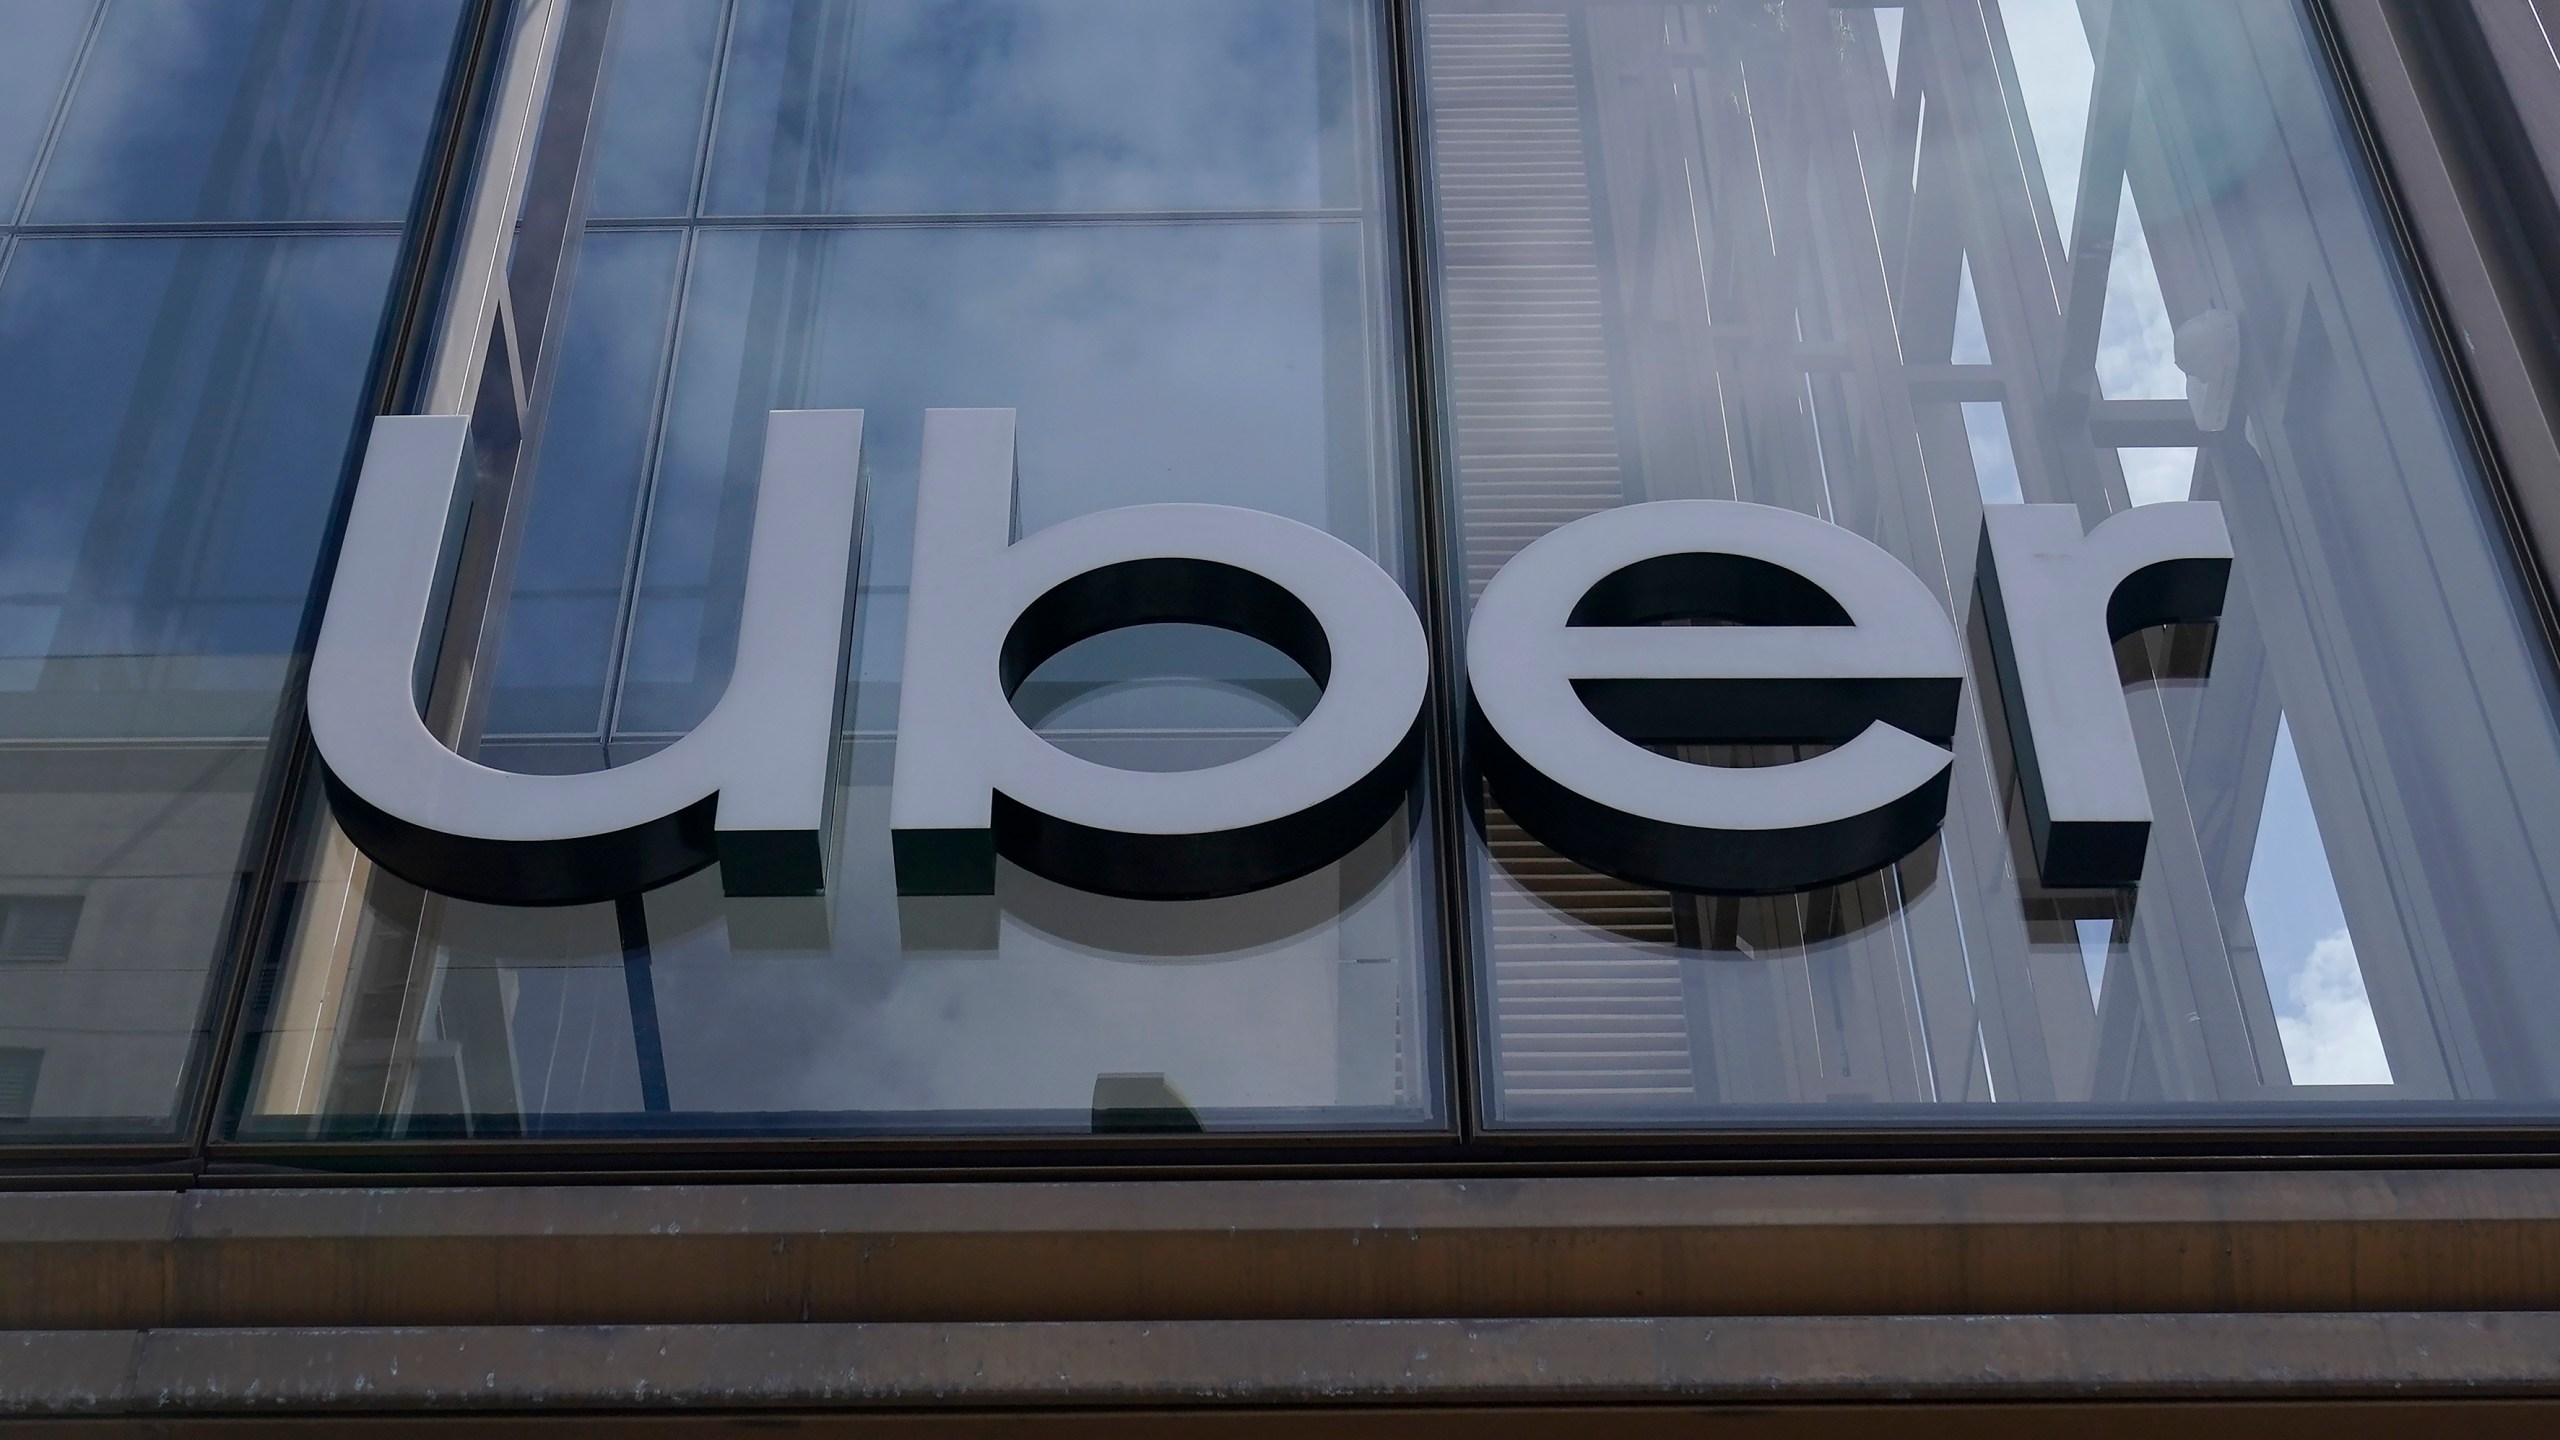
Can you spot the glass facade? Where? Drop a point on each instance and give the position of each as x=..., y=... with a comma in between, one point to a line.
x=1163, y=233
x=201, y=210
x=1888, y=266
x=1435, y=279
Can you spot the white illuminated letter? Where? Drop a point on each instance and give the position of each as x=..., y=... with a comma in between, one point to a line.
x=2057, y=601
x=973, y=781
x=748, y=787
x=1838, y=643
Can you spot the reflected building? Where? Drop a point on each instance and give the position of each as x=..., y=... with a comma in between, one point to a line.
x=1433, y=280
x=1642, y=214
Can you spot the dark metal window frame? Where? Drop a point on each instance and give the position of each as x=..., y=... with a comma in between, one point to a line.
x=2446, y=141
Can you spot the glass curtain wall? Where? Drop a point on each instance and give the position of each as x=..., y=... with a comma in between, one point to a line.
x=1889, y=264
x=1884, y=265
x=201, y=205
x=1161, y=231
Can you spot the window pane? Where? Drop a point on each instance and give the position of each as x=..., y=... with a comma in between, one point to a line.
x=1888, y=273
x=1235, y=343
x=835, y=106
x=43, y=36
x=175, y=413
x=277, y=110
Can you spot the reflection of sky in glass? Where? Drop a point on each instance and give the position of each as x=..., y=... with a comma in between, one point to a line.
x=2327, y=1027
x=173, y=410
x=2310, y=959
x=2094, y=937
x=2136, y=346
x=556, y=647
x=1146, y=364
x=1009, y=105
x=656, y=84
x=181, y=380
x=1972, y=346
x=1223, y=360
x=1995, y=465
x=2356, y=525
x=197, y=536
x=2055, y=75
x=42, y=34
x=1242, y=1004
x=1150, y=677
x=210, y=110
x=2157, y=473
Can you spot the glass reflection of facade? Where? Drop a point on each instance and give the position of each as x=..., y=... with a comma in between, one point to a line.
x=1162, y=233
x=1436, y=279
x=201, y=218
x=2034, y=251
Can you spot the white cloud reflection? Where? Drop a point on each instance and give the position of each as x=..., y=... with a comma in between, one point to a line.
x=1972, y=343
x=2136, y=343
x=2156, y=474
x=2322, y=1015
x=2055, y=76
x=2326, y=1022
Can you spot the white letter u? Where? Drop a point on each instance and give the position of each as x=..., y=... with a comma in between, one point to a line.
x=748, y=787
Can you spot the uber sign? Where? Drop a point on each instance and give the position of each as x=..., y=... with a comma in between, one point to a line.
x=1574, y=664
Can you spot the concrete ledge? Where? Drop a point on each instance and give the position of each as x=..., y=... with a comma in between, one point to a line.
x=1274, y=1250
x=1743, y=1360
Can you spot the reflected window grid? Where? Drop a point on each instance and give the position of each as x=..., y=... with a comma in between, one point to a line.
x=1665, y=271
x=200, y=205
x=1998, y=210
x=710, y=225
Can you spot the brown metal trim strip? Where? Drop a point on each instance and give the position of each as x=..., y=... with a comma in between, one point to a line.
x=1219, y=1364
x=1284, y=1250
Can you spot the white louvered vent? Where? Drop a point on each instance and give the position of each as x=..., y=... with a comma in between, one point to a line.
x=1579, y=1015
